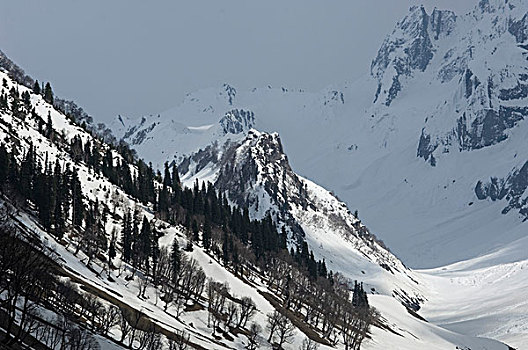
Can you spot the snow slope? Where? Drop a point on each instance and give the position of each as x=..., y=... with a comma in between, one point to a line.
x=255, y=173
x=485, y=296
x=414, y=332
x=445, y=90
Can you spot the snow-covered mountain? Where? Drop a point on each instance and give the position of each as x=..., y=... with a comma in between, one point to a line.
x=119, y=285
x=255, y=174
x=349, y=247
x=429, y=146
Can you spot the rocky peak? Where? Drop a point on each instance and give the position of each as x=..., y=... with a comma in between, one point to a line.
x=237, y=121
x=255, y=173
x=230, y=92
x=409, y=48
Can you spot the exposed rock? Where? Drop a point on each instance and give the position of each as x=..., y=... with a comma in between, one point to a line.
x=237, y=121
x=512, y=189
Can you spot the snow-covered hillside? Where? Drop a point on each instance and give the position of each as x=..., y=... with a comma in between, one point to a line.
x=485, y=296
x=125, y=287
x=255, y=173
x=441, y=112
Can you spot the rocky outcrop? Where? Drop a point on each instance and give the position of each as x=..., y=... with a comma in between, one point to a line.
x=408, y=49
x=237, y=121
x=513, y=190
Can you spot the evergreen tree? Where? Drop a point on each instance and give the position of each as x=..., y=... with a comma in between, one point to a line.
x=111, y=252
x=145, y=243
x=77, y=200
x=206, y=235
x=167, y=181
x=176, y=260
x=176, y=185
x=195, y=230
x=48, y=94
x=225, y=249
x=36, y=88
x=126, y=236
x=49, y=127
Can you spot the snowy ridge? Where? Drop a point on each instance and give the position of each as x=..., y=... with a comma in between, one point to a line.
x=461, y=108
x=116, y=285
x=255, y=173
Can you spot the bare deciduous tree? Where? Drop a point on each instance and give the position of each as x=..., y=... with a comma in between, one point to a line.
x=253, y=335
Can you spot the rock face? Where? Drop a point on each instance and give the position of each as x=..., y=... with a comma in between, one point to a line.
x=408, y=49
x=512, y=189
x=483, y=58
x=237, y=121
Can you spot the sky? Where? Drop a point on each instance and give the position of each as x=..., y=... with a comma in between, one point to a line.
x=136, y=57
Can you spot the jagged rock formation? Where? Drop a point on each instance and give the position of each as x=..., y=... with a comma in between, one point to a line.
x=408, y=49
x=512, y=189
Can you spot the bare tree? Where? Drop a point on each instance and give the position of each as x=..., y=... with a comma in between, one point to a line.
x=181, y=342
x=108, y=319
x=273, y=321
x=247, y=310
x=124, y=326
x=309, y=344
x=217, y=293
x=231, y=315
x=253, y=334
x=285, y=330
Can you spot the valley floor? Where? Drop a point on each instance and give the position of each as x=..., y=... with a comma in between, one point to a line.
x=484, y=296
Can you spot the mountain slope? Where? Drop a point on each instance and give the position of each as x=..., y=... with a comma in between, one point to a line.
x=255, y=173
x=408, y=145
x=130, y=287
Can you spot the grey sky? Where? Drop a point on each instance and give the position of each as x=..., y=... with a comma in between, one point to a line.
x=139, y=57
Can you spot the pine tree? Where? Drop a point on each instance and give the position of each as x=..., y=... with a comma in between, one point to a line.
x=126, y=235
x=176, y=185
x=48, y=94
x=167, y=181
x=195, y=231
x=36, y=88
x=49, y=127
x=206, y=235
x=155, y=250
x=77, y=200
x=225, y=249
x=111, y=253
x=59, y=187
x=145, y=243
x=176, y=260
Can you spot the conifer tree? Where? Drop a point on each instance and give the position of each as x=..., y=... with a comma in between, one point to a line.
x=36, y=88
x=167, y=181
x=195, y=230
x=126, y=236
x=206, y=235
x=145, y=243
x=48, y=94
x=175, y=178
x=49, y=127
x=77, y=200
x=175, y=259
